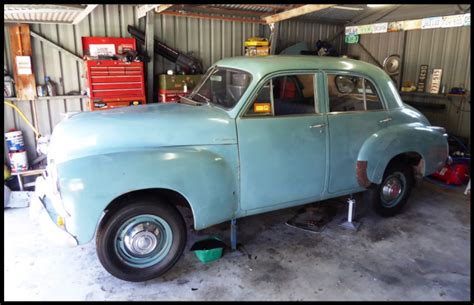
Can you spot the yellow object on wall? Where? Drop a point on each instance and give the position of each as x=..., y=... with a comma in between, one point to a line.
x=257, y=46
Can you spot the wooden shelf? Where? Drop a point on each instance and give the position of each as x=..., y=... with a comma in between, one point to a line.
x=425, y=94
x=42, y=98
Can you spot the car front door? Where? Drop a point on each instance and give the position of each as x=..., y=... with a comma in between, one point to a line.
x=282, y=142
x=356, y=111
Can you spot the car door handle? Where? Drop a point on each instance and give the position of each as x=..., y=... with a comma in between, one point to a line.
x=385, y=120
x=317, y=125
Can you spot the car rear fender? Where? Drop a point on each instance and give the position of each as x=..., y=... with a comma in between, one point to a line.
x=381, y=147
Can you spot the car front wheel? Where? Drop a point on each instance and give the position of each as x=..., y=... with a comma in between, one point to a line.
x=142, y=240
x=389, y=197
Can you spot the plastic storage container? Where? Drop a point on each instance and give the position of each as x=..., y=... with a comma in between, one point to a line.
x=209, y=249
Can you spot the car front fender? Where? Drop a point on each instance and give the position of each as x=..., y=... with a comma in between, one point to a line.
x=205, y=175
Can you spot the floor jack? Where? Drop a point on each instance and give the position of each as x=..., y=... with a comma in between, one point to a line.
x=349, y=223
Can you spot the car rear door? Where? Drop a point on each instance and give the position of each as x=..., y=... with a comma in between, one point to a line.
x=354, y=114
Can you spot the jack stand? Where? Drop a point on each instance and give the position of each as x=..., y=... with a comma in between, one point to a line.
x=233, y=234
x=349, y=223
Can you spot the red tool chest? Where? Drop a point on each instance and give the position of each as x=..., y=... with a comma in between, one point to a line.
x=112, y=83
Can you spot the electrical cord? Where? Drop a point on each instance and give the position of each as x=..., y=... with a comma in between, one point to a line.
x=24, y=118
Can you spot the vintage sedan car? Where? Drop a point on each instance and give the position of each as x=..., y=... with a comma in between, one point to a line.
x=257, y=134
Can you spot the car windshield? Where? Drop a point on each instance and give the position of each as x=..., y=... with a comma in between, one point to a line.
x=221, y=86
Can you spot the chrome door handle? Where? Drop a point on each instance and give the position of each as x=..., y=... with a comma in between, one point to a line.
x=385, y=120
x=317, y=125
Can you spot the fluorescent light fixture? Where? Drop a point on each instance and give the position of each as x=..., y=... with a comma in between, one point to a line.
x=377, y=5
x=349, y=8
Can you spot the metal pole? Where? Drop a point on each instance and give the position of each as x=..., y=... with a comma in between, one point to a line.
x=349, y=216
x=149, y=46
x=274, y=28
x=233, y=234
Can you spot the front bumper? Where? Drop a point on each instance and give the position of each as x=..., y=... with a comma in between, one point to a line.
x=47, y=209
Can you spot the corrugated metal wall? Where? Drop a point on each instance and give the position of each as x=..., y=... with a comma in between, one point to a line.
x=209, y=40
x=292, y=31
x=379, y=45
x=448, y=49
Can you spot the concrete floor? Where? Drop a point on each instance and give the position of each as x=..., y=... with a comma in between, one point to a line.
x=422, y=254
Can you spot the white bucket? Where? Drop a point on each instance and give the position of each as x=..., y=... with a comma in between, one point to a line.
x=18, y=161
x=15, y=141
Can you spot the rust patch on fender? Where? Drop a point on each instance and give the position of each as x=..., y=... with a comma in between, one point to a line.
x=362, y=178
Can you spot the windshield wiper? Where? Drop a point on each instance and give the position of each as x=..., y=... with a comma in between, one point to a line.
x=189, y=101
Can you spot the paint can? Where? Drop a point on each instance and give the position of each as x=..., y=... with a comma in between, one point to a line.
x=15, y=141
x=18, y=161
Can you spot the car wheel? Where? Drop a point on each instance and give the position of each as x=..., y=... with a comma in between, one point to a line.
x=141, y=240
x=389, y=197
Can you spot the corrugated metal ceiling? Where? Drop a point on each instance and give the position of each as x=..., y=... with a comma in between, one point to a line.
x=45, y=13
x=342, y=13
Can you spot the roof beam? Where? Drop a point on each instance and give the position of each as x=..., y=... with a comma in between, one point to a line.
x=295, y=12
x=245, y=13
x=194, y=15
x=54, y=45
x=143, y=9
x=163, y=7
x=84, y=13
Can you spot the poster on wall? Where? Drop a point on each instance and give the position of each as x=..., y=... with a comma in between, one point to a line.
x=351, y=39
x=351, y=30
x=467, y=19
x=420, y=85
x=364, y=29
x=412, y=24
x=431, y=23
x=23, y=65
x=396, y=26
x=435, y=81
x=452, y=21
x=380, y=27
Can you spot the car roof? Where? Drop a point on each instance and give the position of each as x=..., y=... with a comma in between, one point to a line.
x=267, y=64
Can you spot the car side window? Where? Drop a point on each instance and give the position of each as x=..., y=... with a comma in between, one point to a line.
x=288, y=95
x=352, y=93
x=372, y=98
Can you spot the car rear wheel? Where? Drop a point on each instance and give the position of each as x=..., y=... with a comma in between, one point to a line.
x=389, y=197
x=141, y=240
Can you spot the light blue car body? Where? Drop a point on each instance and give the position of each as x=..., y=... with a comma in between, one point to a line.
x=229, y=166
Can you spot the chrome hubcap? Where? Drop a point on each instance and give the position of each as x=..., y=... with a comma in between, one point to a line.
x=391, y=189
x=142, y=239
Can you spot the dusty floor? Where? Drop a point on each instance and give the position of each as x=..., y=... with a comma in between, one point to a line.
x=422, y=254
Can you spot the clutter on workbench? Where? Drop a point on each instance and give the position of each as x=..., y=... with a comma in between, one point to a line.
x=172, y=87
x=457, y=90
x=455, y=172
x=408, y=86
x=50, y=86
x=8, y=86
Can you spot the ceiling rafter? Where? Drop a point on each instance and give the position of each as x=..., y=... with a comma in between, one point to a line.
x=295, y=12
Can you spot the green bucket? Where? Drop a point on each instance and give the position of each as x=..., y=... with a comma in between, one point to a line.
x=208, y=250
